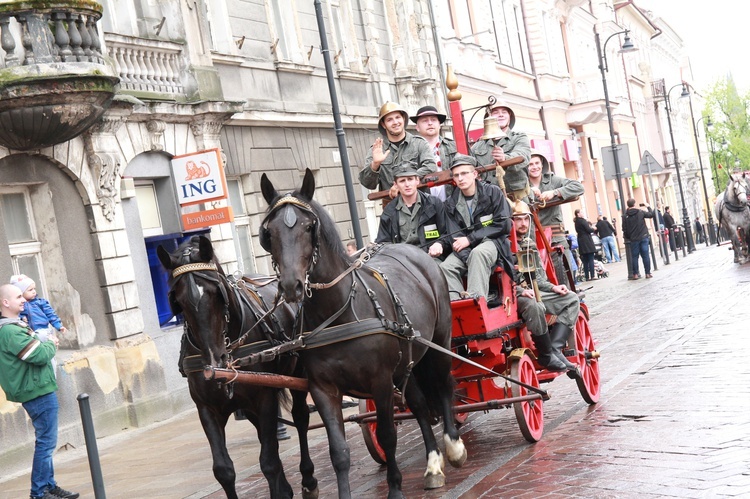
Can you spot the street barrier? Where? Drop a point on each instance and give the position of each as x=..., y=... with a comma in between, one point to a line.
x=89, y=435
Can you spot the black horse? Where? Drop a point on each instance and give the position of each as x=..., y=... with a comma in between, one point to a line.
x=360, y=325
x=217, y=312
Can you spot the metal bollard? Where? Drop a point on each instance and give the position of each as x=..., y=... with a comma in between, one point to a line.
x=653, y=253
x=672, y=238
x=664, y=240
x=91, y=448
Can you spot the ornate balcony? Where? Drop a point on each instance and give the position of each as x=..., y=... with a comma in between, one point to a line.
x=54, y=82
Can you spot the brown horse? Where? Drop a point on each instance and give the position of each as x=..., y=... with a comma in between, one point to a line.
x=217, y=312
x=360, y=326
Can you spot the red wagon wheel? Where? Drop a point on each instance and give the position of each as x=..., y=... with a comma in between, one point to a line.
x=530, y=414
x=368, y=432
x=588, y=362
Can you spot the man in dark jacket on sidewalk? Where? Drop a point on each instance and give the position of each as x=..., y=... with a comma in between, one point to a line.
x=634, y=230
x=415, y=217
x=607, y=232
x=480, y=219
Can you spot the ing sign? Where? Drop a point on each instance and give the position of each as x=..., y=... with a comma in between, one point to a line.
x=199, y=177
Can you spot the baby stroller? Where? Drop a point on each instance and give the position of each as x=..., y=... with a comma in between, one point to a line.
x=601, y=272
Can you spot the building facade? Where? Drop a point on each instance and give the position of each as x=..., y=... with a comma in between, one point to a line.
x=85, y=206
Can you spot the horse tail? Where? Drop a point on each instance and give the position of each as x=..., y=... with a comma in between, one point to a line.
x=285, y=400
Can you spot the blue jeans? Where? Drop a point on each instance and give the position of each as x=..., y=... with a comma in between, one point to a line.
x=641, y=248
x=610, y=249
x=43, y=413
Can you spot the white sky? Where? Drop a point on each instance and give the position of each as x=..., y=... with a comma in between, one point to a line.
x=715, y=33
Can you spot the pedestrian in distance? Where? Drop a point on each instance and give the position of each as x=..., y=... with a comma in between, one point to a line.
x=37, y=312
x=699, y=237
x=634, y=230
x=27, y=377
x=586, y=246
x=479, y=218
x=415, y=217
x=428, y=123
x=394, y=147
x=351, y=248
x=670, y=226
x=607, y=232
x=513, y=180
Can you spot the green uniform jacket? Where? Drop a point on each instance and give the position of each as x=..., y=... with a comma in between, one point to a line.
x=514, y=144
x=433, y=224
x=566, y=189
x=25, y=369
x=413, y=149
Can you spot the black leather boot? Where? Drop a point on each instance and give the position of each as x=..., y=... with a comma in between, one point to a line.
x=546, y=355
x=559, y=334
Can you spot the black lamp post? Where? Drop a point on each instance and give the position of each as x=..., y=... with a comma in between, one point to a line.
x=700, y=163
x=685, y=217
x=601, y=51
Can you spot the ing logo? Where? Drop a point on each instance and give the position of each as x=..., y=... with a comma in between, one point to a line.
x=195, y=172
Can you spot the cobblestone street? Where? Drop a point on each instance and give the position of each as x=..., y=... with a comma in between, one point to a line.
x=672, y=420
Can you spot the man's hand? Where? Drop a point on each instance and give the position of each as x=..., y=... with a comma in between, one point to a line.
x=393, y=191
x=528, y=293
x=498, y=154
x=55, y=340
x=560, y=289
x=547, y=195
x=378, y=156
x=435, y=250
x=460, y=243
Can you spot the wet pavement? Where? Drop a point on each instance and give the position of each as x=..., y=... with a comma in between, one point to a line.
x=672, y=420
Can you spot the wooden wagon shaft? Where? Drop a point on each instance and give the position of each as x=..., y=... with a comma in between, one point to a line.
x=371, y=417
x=255, y=378
x=444, y=177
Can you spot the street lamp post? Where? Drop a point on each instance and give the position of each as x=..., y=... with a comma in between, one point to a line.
x=601, y=51
x=685, y=217
x=700, y=163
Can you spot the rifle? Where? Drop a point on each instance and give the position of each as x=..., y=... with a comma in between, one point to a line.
x=444, y=177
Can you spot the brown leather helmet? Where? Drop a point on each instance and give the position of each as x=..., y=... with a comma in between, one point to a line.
x=388, y=108
x=498, y=104
x=521, y=209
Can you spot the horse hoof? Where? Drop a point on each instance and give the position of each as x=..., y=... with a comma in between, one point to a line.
x=434, y=481
x=457, y=463
x=310, y=494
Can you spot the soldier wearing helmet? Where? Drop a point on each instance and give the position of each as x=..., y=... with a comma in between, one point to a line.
x=396, y=146
x=514, y=180
x=556, y=300
x=546, y=186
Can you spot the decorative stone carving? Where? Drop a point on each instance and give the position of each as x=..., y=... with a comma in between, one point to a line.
x=156, y=131
x=106, y=169
x=206, y=132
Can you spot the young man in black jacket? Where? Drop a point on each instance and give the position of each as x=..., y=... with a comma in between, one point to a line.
x=480, y=220
x=634, y=230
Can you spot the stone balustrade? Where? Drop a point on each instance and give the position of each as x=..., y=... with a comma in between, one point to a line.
x=49, y=35
x=145, y=65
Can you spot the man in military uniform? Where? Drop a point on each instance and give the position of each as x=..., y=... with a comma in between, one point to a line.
x=557, y=300
x=514, y=180
x=395, y=147
x=415, y=217
x=479, y=218
x=428, y=122
x=546, y=186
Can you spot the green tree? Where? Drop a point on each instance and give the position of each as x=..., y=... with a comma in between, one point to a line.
x=730, y=133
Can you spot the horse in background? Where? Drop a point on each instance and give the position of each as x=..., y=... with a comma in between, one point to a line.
x=218, y=311
x=360, y=320
x=733, y=215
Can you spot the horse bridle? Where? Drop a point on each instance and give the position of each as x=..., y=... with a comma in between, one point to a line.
x=290, y=220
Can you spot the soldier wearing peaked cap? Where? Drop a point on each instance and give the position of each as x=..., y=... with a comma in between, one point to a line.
x=395, y=147
x=414, y=217
x=506, y=144
x=479, y=217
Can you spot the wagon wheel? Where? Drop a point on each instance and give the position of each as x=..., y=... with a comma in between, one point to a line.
x=368, y=432
x=530, y=414
x=588, y=364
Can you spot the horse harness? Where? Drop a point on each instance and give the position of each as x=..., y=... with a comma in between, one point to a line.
x=245, y=291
